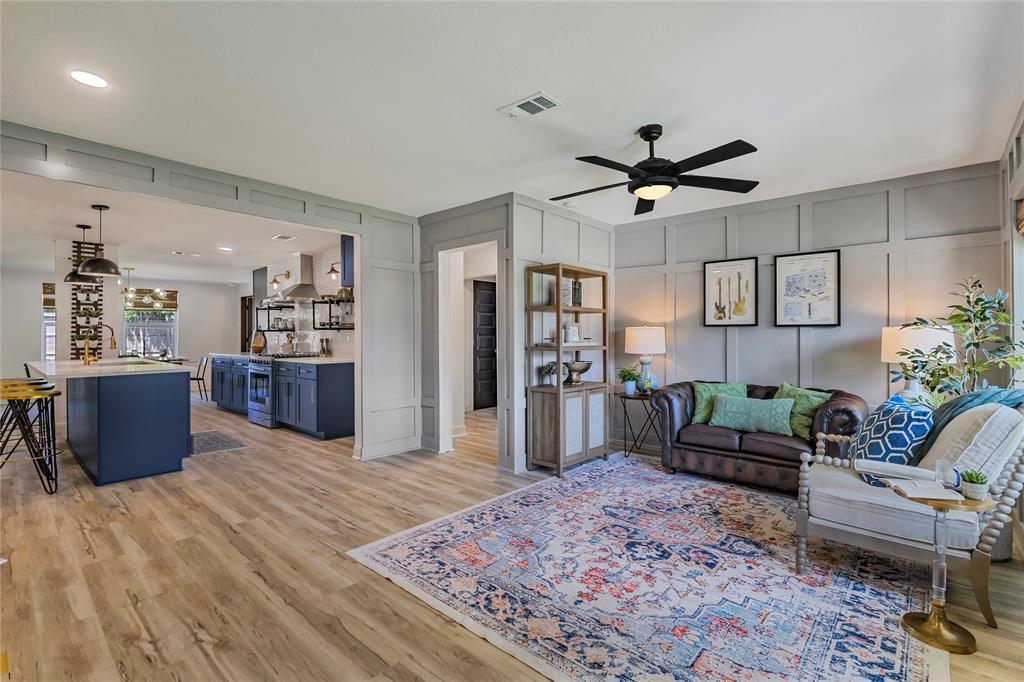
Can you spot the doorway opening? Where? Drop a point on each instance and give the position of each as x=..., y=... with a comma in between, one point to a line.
x=468, y=348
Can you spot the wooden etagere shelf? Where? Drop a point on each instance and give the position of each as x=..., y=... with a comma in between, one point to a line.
x=567, y=423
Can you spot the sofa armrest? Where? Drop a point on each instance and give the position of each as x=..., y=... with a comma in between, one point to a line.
x=674, y=405
x=842, y=415
x=1006, y=489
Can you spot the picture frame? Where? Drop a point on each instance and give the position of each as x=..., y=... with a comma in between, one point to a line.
x=808, y=289
x=730, y=292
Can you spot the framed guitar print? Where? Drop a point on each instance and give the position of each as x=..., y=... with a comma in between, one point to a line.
x=807, y=289
x=730, y=293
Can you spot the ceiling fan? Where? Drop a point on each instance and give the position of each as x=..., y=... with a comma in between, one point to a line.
x=653, y=178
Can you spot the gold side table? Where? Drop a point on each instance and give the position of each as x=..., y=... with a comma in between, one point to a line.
x=934, y=628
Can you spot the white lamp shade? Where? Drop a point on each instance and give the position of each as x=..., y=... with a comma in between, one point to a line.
x=895, y=339
x=645, y=340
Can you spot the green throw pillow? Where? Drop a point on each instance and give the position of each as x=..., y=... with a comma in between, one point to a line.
x=704, y=397
x=753, y=414
x=805, y=403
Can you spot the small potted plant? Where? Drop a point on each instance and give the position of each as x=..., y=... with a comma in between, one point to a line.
x=83, y=317
x=629, y=376
x=974, y=485
x=548, y=371
x=79, y=341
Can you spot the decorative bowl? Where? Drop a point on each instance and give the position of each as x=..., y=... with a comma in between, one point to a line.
x=576, y=368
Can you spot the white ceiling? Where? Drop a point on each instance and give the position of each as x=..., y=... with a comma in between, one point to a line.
x=36, y=211
x=393, y=104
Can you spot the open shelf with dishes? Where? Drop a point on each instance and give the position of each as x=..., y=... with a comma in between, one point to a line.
x=567, y=333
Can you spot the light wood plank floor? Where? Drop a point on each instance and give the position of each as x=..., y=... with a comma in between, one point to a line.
x=236, y=569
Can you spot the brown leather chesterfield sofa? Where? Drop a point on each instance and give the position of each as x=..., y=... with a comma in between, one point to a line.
x=764, y=459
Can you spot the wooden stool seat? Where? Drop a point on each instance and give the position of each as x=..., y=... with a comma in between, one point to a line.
x=38, y=433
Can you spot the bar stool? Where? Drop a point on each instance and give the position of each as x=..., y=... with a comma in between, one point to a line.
x=37, y=432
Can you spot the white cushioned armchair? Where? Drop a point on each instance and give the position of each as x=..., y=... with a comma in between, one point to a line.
x=835, y=503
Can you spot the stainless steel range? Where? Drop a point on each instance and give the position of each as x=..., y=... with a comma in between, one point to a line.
x=261, y=386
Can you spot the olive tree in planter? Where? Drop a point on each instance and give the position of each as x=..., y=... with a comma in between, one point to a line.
x=981, y=329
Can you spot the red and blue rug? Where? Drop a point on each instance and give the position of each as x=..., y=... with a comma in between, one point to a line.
x=623, y=571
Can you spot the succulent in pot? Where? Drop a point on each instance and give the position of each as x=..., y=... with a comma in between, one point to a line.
x=629, y=376
x=974, y=485
x=79, y=340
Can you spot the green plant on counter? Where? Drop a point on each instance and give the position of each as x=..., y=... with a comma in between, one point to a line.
x=973, y=476
x=981, y=329
x=631, y=373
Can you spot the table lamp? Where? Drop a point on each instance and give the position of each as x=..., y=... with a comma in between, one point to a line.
x=895, y=339
x=645, y=341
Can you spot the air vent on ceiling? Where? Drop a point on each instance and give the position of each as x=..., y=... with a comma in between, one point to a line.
x=537, y=103
x=283, y=237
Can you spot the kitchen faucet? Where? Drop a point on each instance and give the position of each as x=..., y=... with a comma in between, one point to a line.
x=113, y=341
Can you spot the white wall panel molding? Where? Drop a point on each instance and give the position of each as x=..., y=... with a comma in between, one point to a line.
x=389, y=242
x=887, y=278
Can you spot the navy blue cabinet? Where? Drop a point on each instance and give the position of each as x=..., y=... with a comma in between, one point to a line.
x=239, y=390
x=230, y=389
x=220, y=378
x=316, y=399
x=284, y=393
x=348, y=269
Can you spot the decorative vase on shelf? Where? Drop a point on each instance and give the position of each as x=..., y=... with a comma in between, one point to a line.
x=259, y=343
x=629, y=387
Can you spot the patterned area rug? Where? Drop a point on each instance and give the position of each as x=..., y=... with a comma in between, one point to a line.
x=622, y=571
x=204, y=442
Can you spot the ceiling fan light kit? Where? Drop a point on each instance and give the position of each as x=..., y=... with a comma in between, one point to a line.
x=654, y=178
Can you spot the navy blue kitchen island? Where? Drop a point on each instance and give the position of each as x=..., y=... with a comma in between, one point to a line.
x=126, y=418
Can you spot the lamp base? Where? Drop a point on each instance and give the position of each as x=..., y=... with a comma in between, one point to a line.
x=645, y=373
x=911, y=389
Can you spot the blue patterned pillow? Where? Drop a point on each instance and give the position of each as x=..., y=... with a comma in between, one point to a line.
x=892, y=433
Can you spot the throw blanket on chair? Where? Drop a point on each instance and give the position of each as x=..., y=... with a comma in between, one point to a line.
x=1011, y=397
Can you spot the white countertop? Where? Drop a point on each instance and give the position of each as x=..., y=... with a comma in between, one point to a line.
x=316, y=360
x=113, y=367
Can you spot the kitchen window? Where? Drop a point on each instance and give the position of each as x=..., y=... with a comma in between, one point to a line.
x=151, y=332
x=49, y=322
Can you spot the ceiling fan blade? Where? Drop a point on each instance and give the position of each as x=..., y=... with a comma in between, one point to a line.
x=644, y=206
x=588, y=191
x=716, y=155
x=725, y=184
x=614, y=165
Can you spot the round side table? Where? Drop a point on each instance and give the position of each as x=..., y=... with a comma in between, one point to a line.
x=934, y=628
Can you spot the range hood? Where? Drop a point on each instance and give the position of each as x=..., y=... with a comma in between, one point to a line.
x=304, y=290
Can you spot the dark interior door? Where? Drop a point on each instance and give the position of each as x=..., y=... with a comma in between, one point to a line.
x=245, y=325
x=485, y=345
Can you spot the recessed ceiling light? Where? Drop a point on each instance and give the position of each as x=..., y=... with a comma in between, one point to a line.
x=178, y=253
x=283, y=237
x=90, y=79
x=224, y=248
x=195, y=254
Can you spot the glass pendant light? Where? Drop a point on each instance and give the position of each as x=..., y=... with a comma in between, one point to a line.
x=74, y=277
x=100, y=266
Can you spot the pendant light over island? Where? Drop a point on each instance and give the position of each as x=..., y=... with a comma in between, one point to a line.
x=99, y=266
